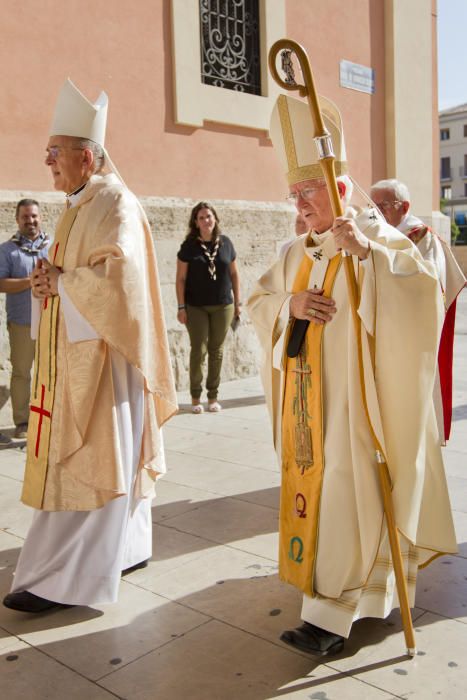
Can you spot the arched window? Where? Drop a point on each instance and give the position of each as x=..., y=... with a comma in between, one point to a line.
x=220, y=44
x=230, y=44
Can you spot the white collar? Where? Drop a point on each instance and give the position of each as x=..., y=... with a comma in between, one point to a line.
x=322, y=242
x=74, y=197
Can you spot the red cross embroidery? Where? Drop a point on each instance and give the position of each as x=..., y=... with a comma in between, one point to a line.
x=42, y=412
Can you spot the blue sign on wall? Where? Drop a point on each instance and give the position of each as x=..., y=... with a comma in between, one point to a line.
x=357, y=77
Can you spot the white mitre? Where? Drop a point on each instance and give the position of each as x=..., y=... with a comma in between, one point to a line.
x=76, y=116
x=291, y=131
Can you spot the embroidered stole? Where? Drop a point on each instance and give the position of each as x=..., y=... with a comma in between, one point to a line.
x=43, y=387
x=302, y=447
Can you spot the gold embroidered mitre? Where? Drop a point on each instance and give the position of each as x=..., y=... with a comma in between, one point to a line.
x=291, y=132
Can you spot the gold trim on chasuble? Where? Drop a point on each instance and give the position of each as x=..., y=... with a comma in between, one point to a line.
x=302, y=447
x=43, y=387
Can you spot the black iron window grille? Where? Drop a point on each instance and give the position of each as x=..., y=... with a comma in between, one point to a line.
x=230, y=44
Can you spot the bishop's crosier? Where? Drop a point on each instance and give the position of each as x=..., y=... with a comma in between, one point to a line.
x=333, y=536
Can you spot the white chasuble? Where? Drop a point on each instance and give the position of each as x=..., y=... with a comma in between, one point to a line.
x=400, y=336
x=452, y=281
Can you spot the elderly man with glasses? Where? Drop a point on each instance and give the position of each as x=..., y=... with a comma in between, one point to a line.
x=392, y=197
x=333, y=539
x=103, y=382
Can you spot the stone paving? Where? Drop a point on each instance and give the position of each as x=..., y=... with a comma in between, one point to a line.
x=203, y=620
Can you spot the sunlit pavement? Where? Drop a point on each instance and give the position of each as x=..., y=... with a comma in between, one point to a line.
x=203, y=620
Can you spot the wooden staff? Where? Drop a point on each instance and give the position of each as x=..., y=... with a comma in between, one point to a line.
x=323, y=142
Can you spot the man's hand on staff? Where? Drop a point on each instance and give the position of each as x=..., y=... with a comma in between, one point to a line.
x=311, y=305
x=348, y=237
x=44, y=279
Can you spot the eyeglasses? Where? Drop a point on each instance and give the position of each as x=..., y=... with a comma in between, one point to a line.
x=54, y=151
x=307, y=194
x=387, y=205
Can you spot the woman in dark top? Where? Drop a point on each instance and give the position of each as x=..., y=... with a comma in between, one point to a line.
x=208, y=295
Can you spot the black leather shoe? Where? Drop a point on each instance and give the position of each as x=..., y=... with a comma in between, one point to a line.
x=28, y=602
x=135, y=567
x=313, y=640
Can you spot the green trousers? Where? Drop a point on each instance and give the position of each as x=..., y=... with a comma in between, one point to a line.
x=207, y=327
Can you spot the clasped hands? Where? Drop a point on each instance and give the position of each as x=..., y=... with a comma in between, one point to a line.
x=44, y=279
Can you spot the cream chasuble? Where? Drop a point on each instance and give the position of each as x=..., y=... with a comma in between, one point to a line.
x=452, y=281
x=109, y=274
x=400, y=336
x=111, y=436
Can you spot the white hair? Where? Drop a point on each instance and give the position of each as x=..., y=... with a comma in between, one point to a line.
x=97, y=152
x=401, y=191
x=345, y=179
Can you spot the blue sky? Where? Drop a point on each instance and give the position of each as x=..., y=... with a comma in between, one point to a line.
x=452, y=53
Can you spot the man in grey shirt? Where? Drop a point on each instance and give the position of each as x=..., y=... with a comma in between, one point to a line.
x=18, y=257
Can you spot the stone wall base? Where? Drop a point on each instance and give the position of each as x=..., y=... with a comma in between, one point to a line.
x=257, y=230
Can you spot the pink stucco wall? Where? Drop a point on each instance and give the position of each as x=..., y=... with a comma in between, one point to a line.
x=436, y=156
x=125, y=49
x=331, y=31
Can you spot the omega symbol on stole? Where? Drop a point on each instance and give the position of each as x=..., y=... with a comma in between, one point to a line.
x=300, y=505
x=296, y=550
